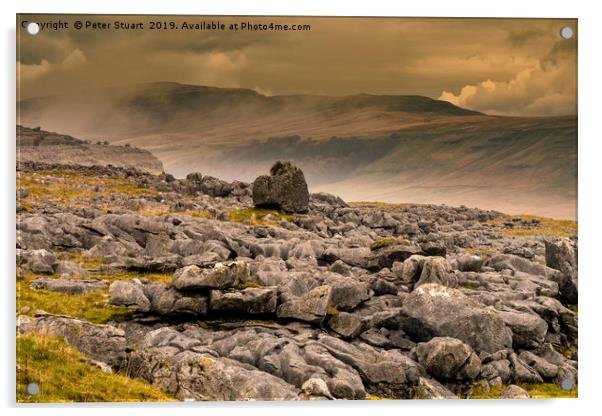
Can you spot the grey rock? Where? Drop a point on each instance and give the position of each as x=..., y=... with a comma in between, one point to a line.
x=519, y=264
x=543, y=367
x=436, y=310
x=514, y=392
x=410, y=270
x=497, y=369
x=70, y=269
x=561, y=256
x=285, y=188
x=39, y=261
x=70, y=287
x=311, y=307
x=247, y=301
x=347, y=292
x=470, y=263
x=222, y=276
x=528, y=329
x=168, y=301
x=437, y=270
x=429, y=389
x=128, y=294
x=386, y=256
x=345, y=324
x=448, y=358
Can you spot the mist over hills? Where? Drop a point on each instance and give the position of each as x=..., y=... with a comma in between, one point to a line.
x=361, y=147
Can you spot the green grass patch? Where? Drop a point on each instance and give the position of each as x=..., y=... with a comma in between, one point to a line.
x=91, y=306
x=64, y=375
x=483, y=252
x=470, y=285
x=257, y=216
x=541, y=227
x=111, y=277
x=242, y=286
x=387, y=242
x=88, y=263
x=536, y=391
x=67, y=187
x=157, y=212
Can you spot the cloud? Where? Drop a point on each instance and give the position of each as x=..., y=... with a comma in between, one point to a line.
x=548, y=87
x=339, y=56
x=30, y=72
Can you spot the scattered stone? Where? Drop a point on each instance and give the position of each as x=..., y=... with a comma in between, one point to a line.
x=514, y=392
x=70, y=287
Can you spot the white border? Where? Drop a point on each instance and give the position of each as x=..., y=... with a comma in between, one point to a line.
x=590, y=201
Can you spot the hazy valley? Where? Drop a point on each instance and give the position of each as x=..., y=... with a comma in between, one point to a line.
x=361, y=147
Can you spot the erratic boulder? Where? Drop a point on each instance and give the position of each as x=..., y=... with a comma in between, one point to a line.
x=285, y=189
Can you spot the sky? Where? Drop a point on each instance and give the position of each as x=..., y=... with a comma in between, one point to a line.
x=520, y=67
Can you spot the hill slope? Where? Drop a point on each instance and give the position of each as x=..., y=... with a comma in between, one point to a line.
x=362, y=147
x=35, y=145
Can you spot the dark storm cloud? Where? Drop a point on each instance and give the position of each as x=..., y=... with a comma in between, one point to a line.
x=446, y=58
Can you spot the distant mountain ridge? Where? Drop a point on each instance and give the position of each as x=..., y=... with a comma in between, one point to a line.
x=362, y=147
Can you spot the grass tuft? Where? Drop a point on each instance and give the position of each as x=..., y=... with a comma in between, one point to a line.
x=388, y=241
x=539, y=226
x=257, y=216
x=536, y=391
x=64, y=375
x=91, y=306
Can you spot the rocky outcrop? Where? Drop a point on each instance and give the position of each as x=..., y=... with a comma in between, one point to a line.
x=39, y=146
x=285, y=189
x=339, y=302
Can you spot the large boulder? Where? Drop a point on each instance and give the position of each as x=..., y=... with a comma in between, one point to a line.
x=435, y=310
x=285, y=189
